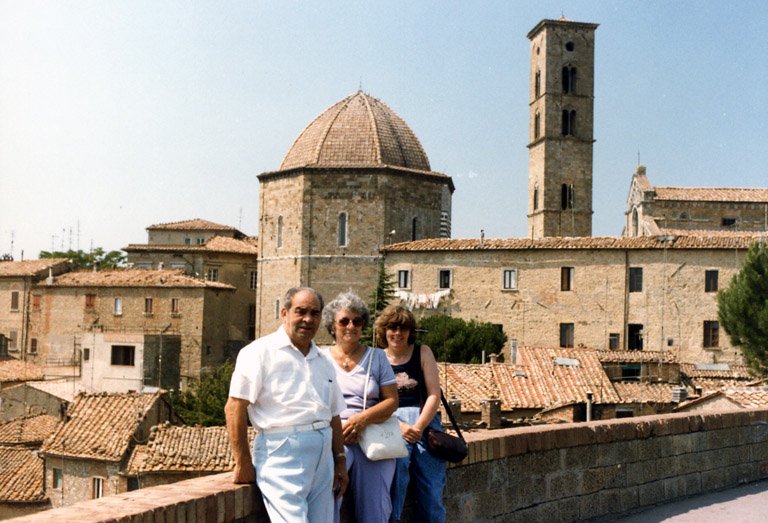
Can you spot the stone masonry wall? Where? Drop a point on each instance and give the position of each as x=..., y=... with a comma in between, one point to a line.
x=570, y=472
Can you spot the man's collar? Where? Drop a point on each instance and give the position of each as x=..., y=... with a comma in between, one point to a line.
x=286, y=342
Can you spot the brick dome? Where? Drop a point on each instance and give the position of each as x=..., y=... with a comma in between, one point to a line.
x=358, y=131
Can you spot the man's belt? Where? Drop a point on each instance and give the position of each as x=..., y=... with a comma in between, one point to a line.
x=317, y=425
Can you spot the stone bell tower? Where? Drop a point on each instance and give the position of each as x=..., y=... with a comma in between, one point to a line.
x=561, y=128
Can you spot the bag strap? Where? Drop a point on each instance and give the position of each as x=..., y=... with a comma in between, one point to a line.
x=367, y=377
x=450, y=416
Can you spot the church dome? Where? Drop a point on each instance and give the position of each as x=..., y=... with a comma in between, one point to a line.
x=358, y=131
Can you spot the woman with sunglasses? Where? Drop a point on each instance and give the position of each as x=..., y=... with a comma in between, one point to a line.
x=369, y=481
x=418, y=386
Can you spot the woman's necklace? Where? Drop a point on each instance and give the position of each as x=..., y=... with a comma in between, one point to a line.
x=347, y=359
x=399, y=358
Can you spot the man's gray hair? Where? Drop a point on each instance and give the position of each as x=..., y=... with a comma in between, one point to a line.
x=293, y=291
x=346, y=301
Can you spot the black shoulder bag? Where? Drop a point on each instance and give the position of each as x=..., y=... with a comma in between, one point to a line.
x=445, y=446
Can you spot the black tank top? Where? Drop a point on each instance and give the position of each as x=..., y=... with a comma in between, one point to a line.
x=410, y=380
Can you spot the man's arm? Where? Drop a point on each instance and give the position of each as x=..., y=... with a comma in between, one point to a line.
x=340, y=477
x=237, y=429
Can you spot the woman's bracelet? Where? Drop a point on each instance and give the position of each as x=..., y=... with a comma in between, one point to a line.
x=340, y=456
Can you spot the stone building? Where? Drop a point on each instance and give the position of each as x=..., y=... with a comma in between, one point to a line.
x=209, y=251
x=354, y=180
x=16, y=301
x=561, y=128
x=605, y=293
x=714, y=211
x=85, y=455
x=120, y=330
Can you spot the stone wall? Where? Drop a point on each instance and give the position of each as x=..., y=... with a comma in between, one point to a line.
x=546, y=473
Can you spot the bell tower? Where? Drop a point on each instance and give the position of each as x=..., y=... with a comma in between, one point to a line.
x=561, y=128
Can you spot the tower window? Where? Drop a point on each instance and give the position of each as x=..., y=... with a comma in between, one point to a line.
x=569, y=80
x=710, y=281
x=569, y=46
x=566, y=196
x=537, y=84
x=342, y=230
x=279, y=231
x=415, y=229
x=568, y=127
x=566, y=278
x=635, y=336
x=635, y=279
x=536, y=125
x=566, y=335
x=536, y=197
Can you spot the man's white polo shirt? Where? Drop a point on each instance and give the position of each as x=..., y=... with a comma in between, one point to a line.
x=285, y=388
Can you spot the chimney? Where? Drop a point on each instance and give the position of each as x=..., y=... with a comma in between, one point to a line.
x=49, y=279
x=490, y=413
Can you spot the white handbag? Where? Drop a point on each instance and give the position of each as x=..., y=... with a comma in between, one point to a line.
x=381, y=440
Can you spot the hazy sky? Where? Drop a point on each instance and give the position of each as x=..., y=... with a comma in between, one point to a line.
x=118, y=115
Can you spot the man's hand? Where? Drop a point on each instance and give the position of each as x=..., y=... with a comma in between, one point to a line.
x=244, y=473
x=340, y=478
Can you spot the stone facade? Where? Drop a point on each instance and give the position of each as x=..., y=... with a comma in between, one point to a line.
x=561, y=129
x=667, y=311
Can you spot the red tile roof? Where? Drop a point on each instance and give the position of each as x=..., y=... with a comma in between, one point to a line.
x=13, y=370
x=27, y=430
x=217, y=244
x=31, y=267
x=184, y=449
x=729, y=371
x=639, y=392
x=195, y=224
x=168, y=278
x=636, y=356
x=563, y=243
x=21, y=476
x=712, y=194
x=748, y=398
x=100, y=426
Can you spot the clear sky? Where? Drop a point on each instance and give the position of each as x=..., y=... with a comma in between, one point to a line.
x=118, y=115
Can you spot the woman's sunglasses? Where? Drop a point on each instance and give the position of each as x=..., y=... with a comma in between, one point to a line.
x=357, y=322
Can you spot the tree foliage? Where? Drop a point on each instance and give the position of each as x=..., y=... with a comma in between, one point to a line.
x=203, y=402
x=87, y=260
x=457, y=341
x=381, y=296
x=742, y=308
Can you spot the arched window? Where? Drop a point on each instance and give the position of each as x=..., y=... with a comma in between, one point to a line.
x=535, y=197
x=342, y=230
x=415, y=229
x=279, y=231
x=537, y=84
x=635, y=222
x=566, y=196
x=569, y=80
x=568, y=123
x=536, y=125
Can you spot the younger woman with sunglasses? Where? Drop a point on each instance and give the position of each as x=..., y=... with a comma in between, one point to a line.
x=369, y=481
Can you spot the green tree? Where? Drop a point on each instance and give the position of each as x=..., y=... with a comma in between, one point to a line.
x=203, y=402
x=742, y=308
x=457, y=341
x=381, y=296
x=87, y=260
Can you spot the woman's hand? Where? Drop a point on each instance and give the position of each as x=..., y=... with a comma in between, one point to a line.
x=352, y=428
x=411, y=433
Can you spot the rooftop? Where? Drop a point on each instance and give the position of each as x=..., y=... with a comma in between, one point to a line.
x=27, y=430
x=195, y=224
x=13, y=370
x=31, y=267
x=217, y=244
x=100, y=426
x=712, y=194
x=168, y=278
x=21, y=476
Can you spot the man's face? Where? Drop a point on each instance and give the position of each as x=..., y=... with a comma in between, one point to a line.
x=302, y=319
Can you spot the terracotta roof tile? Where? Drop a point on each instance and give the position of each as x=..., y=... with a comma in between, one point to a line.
x=21, y=475
x=168, y=278
x=358, y=131
x=723, y=370
x=640, y=392
x=715, y=384
x=31, y=267
x=100, y=426
x=184, y=449
x=12, y=370
x=635, y=356
x=27, y=430
x=712, y=194
x=222, y=244
x=564, y=243
x=195, y=224
x=748, y=397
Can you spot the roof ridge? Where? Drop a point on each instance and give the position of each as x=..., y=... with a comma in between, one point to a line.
x=372, y=118
x=321, y=142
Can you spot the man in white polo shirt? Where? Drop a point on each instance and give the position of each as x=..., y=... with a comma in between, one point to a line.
x=289, y=392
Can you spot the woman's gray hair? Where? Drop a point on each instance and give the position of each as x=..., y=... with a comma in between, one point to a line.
x=346, y=301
